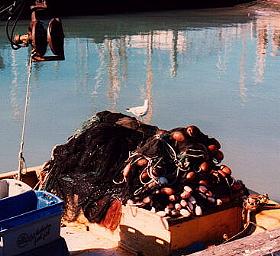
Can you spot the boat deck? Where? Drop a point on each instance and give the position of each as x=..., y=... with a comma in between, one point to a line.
x=83, y=242
x=88, y=239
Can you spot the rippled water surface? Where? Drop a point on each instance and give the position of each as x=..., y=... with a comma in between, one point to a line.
x=218, y=69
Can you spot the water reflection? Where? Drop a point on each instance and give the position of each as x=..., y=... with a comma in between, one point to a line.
x=2, y=65
x=193, y=45
x=261, y=50
x=267, y=27
x=188, y=40
x=197, y=67
x=149, y=79
x=100, y=70
x=242, y=68
x=14, y=89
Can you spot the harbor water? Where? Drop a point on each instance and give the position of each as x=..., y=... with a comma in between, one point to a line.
x=217, y=69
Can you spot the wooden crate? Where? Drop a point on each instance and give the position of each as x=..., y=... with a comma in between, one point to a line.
x=146, y=232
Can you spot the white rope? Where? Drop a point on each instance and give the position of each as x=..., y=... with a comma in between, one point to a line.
x=21, y=160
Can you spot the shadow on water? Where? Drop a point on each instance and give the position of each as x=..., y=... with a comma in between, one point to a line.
x=115, y=26
x=2, y=65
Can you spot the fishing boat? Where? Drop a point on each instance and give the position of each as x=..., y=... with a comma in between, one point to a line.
x=86, y=7
x=12, y=187
x=108, y=209
x=141, y=231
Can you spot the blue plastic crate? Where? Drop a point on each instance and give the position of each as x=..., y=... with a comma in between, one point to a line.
x=29, y=220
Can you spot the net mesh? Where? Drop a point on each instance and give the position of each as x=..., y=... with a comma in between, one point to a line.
x=115, y=159
x=81, y=171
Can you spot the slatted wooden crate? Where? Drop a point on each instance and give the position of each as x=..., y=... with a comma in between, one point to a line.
x=145, y=232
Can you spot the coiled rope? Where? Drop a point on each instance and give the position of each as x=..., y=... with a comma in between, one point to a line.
x=252, y=204
x=21, y=160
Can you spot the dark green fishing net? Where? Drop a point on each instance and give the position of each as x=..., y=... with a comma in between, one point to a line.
x=88, y=172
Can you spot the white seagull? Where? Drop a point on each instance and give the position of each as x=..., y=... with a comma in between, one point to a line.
x=139, y=111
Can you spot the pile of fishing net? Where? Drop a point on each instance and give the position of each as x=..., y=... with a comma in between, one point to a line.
x=115, y=159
